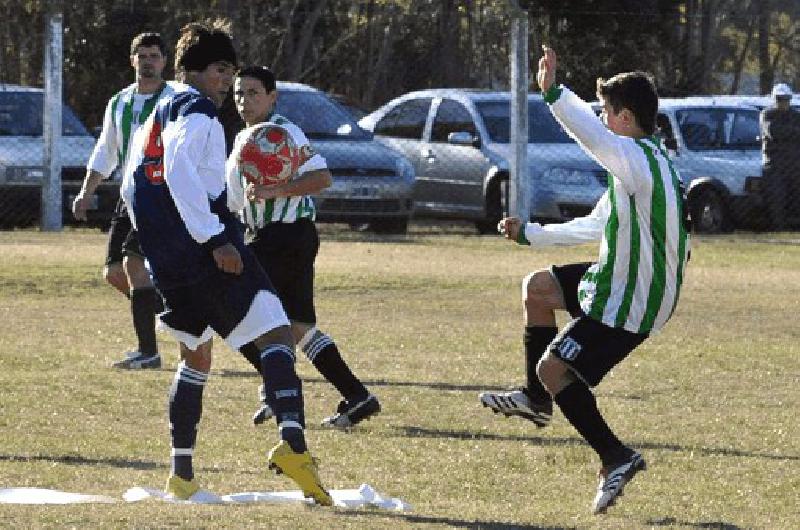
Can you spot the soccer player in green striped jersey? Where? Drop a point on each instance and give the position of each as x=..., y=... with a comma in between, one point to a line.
x=627, y=294
x=125, y=267
x=283, y=237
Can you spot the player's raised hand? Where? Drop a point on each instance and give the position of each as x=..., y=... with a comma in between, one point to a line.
x=546, y=75
x=261, y=192
x=509, y=227
x=228, y=259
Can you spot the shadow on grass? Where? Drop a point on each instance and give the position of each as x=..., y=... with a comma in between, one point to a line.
x=77, y=460
x=421, y=432
x=671, y=521
x=450, y=521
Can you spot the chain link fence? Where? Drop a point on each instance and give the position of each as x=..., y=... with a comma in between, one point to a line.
x=413, y=107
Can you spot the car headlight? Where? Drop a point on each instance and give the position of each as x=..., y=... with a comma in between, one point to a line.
x=404, y=168
x=24, y=174
x=573, y=177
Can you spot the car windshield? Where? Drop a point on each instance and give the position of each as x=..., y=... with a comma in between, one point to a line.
x=318, y=116
x=21, y=115
x=542, y=127
x=704, y=129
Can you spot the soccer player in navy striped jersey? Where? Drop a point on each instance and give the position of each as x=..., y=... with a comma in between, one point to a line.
x=125, y=268
x=280, y=218
x=174, y=187
x=632, y=289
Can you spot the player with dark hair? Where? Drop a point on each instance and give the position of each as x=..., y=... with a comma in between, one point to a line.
x=280, y=218
x=125, y=268
x=628, y=294
x=174, y=187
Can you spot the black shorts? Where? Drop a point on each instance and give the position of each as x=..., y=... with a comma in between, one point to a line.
x=568, y=277
x=589, y=347
x=287, y=252
x=122, y=238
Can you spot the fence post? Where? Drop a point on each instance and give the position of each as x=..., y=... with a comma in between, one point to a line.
x=51, y=183
x=519, y=177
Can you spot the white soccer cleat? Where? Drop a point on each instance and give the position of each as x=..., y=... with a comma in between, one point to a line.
x=517, y=403
x=613, y=480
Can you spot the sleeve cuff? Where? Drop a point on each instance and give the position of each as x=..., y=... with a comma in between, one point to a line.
x=521, y=239
x=552, y=94
x=214, y=242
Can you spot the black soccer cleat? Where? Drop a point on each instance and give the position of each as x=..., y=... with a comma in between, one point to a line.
x=518, y=403
x=350, y=413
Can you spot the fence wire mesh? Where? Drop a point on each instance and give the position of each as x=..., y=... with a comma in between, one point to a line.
x=412, y=112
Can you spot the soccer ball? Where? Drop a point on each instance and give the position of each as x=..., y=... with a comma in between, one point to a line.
x=270, y=155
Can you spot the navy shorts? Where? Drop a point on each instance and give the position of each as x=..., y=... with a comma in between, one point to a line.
x=287, y=252
x=123, y=240
x=589, y=347
x=239, y=308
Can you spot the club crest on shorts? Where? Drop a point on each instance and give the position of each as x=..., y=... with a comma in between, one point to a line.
x=270, y=155
x=568, y=349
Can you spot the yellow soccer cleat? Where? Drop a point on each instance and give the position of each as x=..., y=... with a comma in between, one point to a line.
x=301, y=468
x=180, y=488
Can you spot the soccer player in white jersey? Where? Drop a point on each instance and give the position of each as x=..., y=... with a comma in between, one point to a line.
x=174, y=187
x=125, y=268
x=632, y=289
x=280, y=219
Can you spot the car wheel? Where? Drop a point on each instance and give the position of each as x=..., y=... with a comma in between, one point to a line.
x=389, y=226
x=496, y=206
x=710, y=213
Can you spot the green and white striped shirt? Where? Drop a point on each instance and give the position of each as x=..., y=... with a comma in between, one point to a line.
x=256, y=214
x=644, y=247
x=124, y=113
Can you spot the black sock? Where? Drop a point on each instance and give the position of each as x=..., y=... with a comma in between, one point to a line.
x=284, y=393
x=536, y=339
x=580, y=408
x=253, y=356
x=185, y=409
x=143, y=304
x=325, y=356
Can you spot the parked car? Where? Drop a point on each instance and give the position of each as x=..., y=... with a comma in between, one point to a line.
x=458, y=141
x=716, y=148
x=22, y=160
x=371, y=183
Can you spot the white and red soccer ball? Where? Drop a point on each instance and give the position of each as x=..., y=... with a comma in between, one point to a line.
x=270, y=155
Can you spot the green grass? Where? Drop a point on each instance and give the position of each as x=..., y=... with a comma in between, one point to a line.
x=428, y=321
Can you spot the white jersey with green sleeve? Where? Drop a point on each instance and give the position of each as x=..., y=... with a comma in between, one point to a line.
x=256, y=214
x=124, y=113
x=644, y=242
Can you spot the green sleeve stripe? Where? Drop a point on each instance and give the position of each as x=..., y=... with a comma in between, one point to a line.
x=633, y=268
x=114, y=103
x=604, y=276
x=658, y=233
x=552, y=94
x=683, y=236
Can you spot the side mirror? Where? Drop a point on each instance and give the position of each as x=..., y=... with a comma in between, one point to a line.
x=463, y=138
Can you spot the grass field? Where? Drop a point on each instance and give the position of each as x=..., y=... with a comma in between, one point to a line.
x=428, y=321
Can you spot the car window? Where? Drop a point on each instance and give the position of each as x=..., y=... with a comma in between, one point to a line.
x=542, y=127
x=719, y=128
x=451, y=116
x=406, y=120
x=21, y=115
x=318, y=115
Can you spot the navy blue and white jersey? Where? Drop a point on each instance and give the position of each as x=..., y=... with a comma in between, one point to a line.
x=174, y=187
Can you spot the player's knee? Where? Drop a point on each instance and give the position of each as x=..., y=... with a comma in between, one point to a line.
x=136, y=272
x=538, y=288
x=199, y=358
x=115, y=275
x=279, y=335
x=553, y=373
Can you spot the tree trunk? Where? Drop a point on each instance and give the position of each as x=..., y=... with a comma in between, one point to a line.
x=766, y=74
